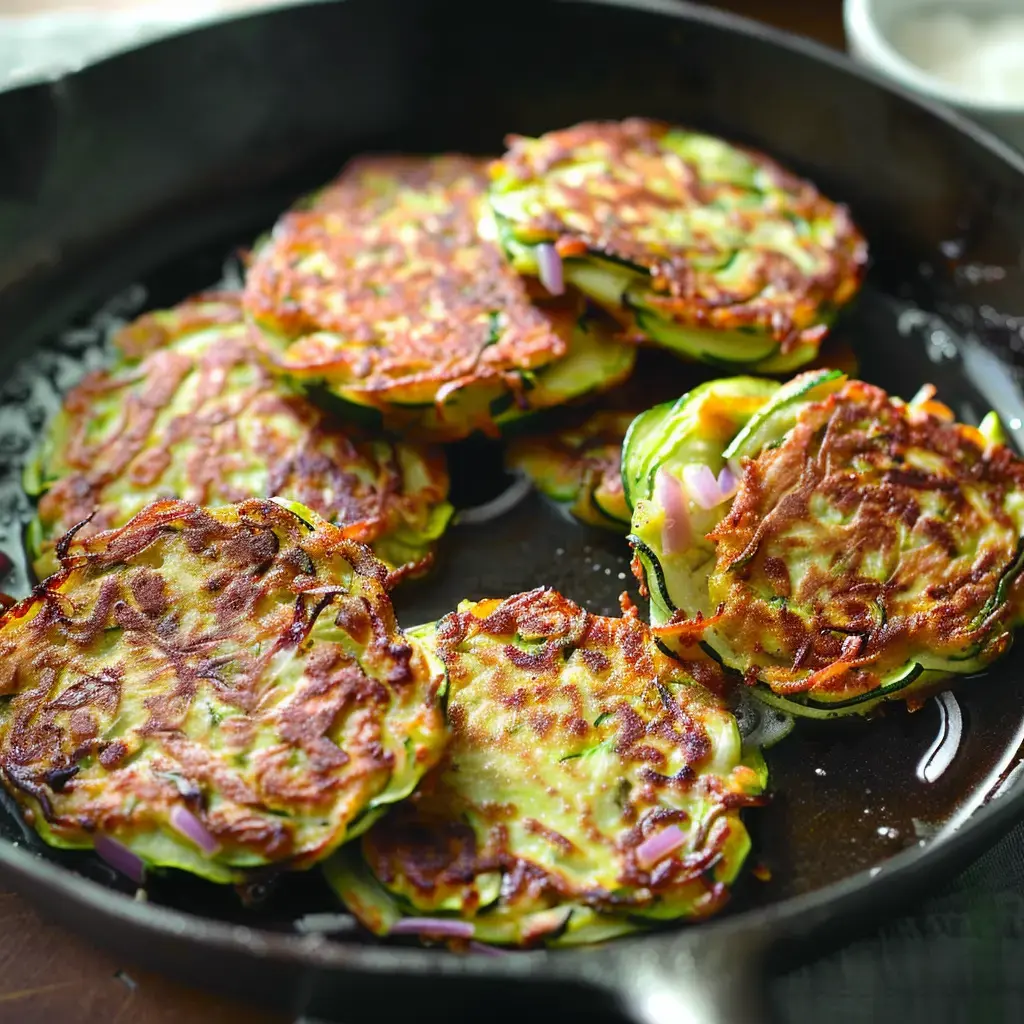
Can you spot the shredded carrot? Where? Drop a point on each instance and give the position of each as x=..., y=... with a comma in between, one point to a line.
x=570, y=247
x=975, y=435
x=937, y=409
x=638, y=572
x=686, y=631
x=816, y=679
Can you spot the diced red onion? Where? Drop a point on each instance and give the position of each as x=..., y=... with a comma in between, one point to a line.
x=659, y=846
x=728, y=484
x=669, y=496
x=120, y=858
x=549, y=268
x=701, y=485
x=185, y=822
x=439, y=926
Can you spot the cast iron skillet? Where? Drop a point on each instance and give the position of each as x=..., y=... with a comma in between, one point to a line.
x=151, y=166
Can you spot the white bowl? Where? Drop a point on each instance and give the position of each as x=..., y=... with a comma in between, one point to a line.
x=870, y=29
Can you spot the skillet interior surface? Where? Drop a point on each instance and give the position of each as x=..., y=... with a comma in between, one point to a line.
x=846, y=794
x=944, y=303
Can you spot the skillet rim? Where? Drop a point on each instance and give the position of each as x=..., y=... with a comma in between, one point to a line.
x=862, y=894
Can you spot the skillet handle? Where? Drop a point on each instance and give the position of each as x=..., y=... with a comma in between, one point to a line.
x=717, y=980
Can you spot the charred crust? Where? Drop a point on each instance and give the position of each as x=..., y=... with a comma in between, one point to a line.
x=177, y=423
x=878, y=483
x=455, y=314
x=134, y=686
x=537, y=665
x=775, y=296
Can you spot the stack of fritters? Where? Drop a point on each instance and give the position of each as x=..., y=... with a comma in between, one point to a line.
x=833, y=545
x=710, y=249
x=192, y=411
x=212, y=678
x=386, y=289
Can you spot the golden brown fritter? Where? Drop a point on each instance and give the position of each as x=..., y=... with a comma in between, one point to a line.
x=193, y=412
x=875, y=539
x=590, y=785
x=382, y=288
x=215, y=689
x=680, y=233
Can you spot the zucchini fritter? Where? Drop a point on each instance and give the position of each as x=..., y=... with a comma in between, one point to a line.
x=192, y=412
x=215, y=689
x=381, y=288
x=591, y=786
x=580, y=468
x=707, y=248
x=873, y=547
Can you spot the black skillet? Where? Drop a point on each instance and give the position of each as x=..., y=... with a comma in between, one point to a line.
x=150, y=167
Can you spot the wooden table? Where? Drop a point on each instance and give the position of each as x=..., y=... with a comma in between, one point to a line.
x=49, y=976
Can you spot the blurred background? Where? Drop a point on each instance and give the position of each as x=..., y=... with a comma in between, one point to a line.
x=968, y=53
x=42, y=38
